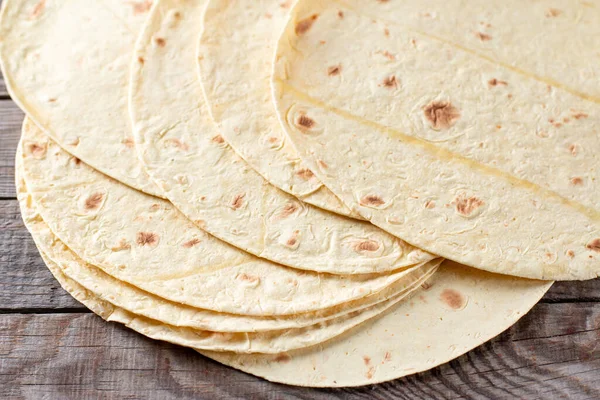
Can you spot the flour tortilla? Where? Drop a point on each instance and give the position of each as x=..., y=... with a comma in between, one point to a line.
x=466, y=131
x=66, y=65
x=146, y=242
x=462, y=309
x=271, y=342
x=145, y=304
x=237, y=45
x=182, y=150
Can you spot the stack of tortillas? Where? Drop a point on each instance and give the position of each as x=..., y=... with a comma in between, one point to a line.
x=275, y=183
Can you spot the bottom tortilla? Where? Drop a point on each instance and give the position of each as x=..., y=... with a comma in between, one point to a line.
x=461, y=309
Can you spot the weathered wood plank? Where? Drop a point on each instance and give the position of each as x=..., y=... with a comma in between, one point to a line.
x=11, y=118
x=3, y=92
x=551, y=353
x=25, y=282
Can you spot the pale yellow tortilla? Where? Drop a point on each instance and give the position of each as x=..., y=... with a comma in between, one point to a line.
x=66, y=64
x=183, y=151
x=147, y=305
x=146, y=242
x=462, y=309
x=236, y=46
x=467, y=131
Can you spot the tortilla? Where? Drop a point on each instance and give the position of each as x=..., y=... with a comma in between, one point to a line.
x=237, y=45
x=145, y=304
x=271, y=342
x=464, y=131
x=182, y=150
x=76, y=90
x=146, y=242
x=461, y=309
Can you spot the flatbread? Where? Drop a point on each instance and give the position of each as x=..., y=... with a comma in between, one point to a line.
x=462, y=309
x=466, y=131
x=76, y=90
x=182, y=150
x=271, y=342
x=237, y=45
x=147, y=305
x=146, y=242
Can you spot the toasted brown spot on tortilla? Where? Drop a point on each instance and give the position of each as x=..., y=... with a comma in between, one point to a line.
x=238, y=201
x=288, y=210
x=594, y=245
x=367, y=360
x=141, y=60
x=38, y=150
x=268, y=15
x=94, y=201
x=467, y=205
x=147, y=239
x=218, y=139
x=38, y=9
x=305, y=122
x=122, y=245
x=286, y=4
x=178, y=143
x=341, y=14
x=141, y=7
x=248, y=278
x=441, y=114
x=322, y=164
x=426, y=285
x=453, y=299
x=484, y=37
x=386, y=32
x=128, y=142
x=576, y=181
x=553, y=12
x=334, y=70
x=430, y=204
x=372, y=200
x=570, y=253
x=366, y=245
x=292, y=241
x=191, y=243
x=305, y=174
x=282, y=358
x=390, y=82
x=76, y=160
x=75, y=142
x=303, y=26
x=580, y=115
x=496, y=82
x=160, y=42
x=52, y=100
x=387, y=357
x=155, y=207
x=201, y=223
x=573, y=149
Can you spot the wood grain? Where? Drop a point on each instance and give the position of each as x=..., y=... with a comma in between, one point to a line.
x=11, y=118
x=551, y=353
x=3, y=92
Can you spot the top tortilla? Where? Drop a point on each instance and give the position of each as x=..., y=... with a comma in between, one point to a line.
x=466, y=131
x=183, y=152
x=76, y=90
x=237, y=45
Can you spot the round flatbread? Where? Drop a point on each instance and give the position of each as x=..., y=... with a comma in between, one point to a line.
x=76, y=90
x=137, y=301
x=461, y=309
x=467, y=131
x=203, y=177
x=146, y=242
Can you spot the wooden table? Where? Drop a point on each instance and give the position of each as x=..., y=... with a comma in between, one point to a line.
x=52, y=347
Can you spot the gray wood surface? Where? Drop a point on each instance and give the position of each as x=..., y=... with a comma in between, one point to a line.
x=51, y=347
